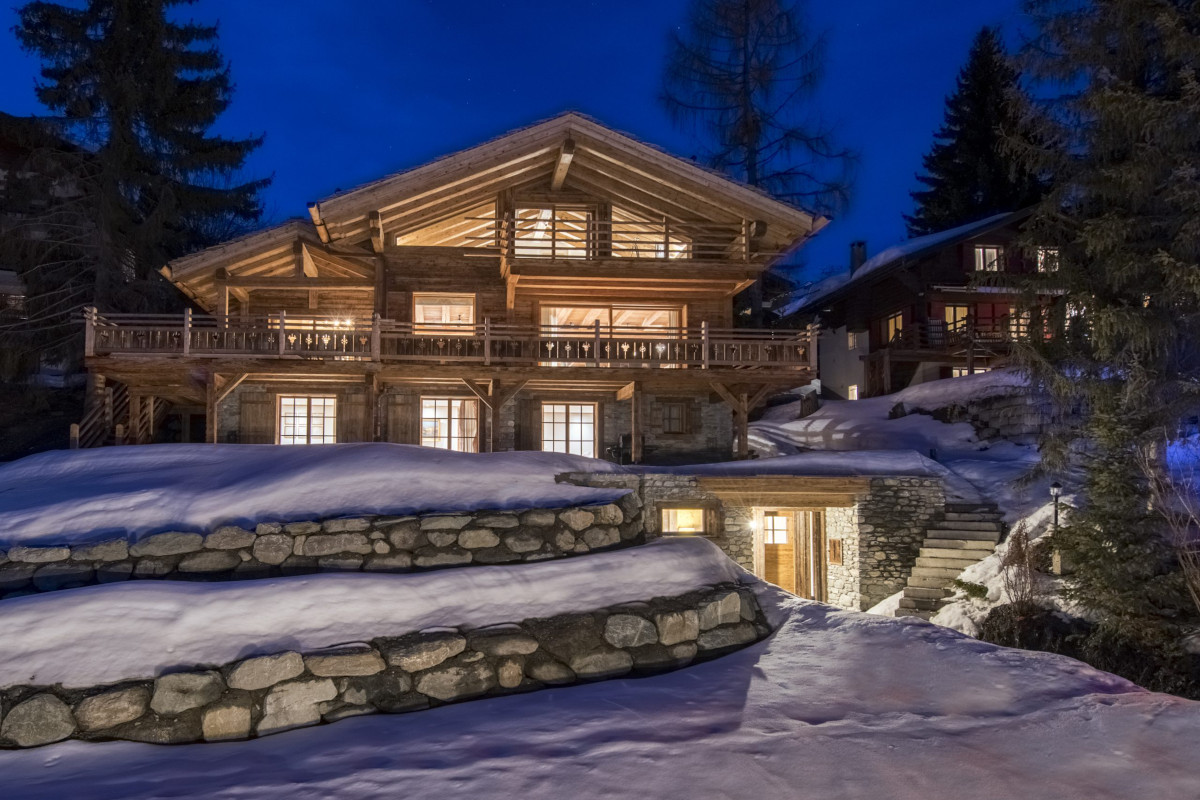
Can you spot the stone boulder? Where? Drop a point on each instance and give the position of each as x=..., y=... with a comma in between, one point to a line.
x=225, y=721
x=42, y=719
x=477, y=538
x=38, y=555
x=344, y=662
x=210, y=561
x=677, y=626
x=503, y=642
x=167, y=544
x=229, y=537
x=264, y=671
x=577, y=519
x=425, y=650
x=723, y=609
x=727, y=637
x=112, y=550
x=272, y=548
x=523, y=542
x=183, y=691
x=295, y=704
x=601, y=664
x=458, y=681
x=111, y=709
x=337, y=544
x=627, y=630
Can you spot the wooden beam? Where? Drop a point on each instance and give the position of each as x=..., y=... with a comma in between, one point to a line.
x=635, y=423
x=626, y=392
x=314, y=211
x=494, y=401
x=295, y=282
x=564, y=164
x=478, y=391
x=376, y=224
x=211, y=408
x=372, y=419
x=229, y=386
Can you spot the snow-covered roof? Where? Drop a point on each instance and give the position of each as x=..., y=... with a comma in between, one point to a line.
x=898, y=254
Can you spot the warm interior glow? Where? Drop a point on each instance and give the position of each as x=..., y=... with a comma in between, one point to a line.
x=683, y=520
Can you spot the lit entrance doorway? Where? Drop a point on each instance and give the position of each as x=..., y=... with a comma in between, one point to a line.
x=791, y=550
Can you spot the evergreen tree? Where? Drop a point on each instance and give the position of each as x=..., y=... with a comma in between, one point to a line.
x=968, y=173
x=742, y=77
x=138, y=92
x=1122, y=218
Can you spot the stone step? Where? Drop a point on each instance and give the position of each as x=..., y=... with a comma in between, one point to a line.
x=973, y=517
x=921, y=605
x=909, y=612
x=925, y=593
x=948, y=573
x=946, y=563
x=972, y=508
x=952, y=553
x=922, y=582
x=978, y=545
x=956, y=525
x=946, y=533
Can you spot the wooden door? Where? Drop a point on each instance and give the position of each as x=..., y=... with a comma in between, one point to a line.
x=779, y=549
x=810, y=555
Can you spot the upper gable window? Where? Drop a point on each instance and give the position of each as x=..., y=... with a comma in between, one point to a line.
x=989, y=258
x=554, y=232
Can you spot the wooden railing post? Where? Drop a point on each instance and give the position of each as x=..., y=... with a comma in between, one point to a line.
x=813, y=356
x=282, y=333
x=89, y=331
x=596, y=356
x=376, y=338
x=487, y=341
x=119, y=434
x=108, y=408
x=187, y=331
x=704, y=342
x=74, y=435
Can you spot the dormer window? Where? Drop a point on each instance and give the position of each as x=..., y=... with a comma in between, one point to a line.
x=989, y=258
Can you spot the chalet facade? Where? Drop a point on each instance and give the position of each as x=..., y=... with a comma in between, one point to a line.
x=562, y=288
x=919, y=311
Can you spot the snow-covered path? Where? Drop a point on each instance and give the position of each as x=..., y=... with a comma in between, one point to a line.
x=834, y=705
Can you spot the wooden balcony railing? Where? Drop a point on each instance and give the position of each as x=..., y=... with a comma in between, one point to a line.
x=936, y=335
x=284, y=337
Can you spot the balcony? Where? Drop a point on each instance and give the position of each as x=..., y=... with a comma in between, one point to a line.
x=936, y=336
x=284, y=337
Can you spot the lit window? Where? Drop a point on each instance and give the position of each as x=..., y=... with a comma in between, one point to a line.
x=852, y=391
x=988, y=258
x=569, y=428
x=307, y=420
x=956, y=318
x=895, y=324
x=553, y=232
x=674, y=417
x=852, y=340
x=775, y=528
x=450, y=424
x=1047, y=259
x=683, y=520
x=444, y=314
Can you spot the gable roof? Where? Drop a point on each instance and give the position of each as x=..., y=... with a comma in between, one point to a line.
x=899, y=255
x=605, y=162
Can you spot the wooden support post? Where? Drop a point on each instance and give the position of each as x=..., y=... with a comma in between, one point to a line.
x=742, y=418
x=371, y=418
x=74, y=435
x=108, y=410
x=487, y=341
x=119, y=434
x=742, y=404
x=635, y=425
x=704, y=343
x=597, y=342
x=814, y=363
x=376, y=338
x=282, y=333
x=211, y=406
x=376, y=223
x=381, y=286
x=495, y=400
x=89, y=331
x=187, y=331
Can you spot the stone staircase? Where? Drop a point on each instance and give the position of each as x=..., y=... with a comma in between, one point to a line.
x=966, y=533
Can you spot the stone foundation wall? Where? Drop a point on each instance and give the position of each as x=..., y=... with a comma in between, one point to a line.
x=369, y=543
x=842, y=580
x=891, y=521
x=267, y=694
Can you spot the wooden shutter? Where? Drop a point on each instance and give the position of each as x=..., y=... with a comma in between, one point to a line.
x=351, y=417
x=258, y=414
x=528, y=425
x=404, y=419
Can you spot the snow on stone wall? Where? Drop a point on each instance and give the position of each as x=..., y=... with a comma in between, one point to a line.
x=367, y=543
x=280, y=691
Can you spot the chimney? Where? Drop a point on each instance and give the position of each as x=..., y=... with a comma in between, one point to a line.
x=858, y=255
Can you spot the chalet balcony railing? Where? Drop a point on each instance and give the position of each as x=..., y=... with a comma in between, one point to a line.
x=289, y=337
x=936, y=335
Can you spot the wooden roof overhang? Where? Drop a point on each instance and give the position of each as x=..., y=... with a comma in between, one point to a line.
x=791, y=491
x=568, y=151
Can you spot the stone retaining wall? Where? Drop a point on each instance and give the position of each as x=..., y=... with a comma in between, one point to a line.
x=370, y=543
x=891, y=521
x=271, y=693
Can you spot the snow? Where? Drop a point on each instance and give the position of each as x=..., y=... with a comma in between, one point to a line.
x=133, y=491
x=68, y=637
x=861, y=432
x=833, y=705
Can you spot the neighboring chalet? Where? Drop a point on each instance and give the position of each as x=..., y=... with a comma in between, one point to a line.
x=917, y=311
x=564, y=288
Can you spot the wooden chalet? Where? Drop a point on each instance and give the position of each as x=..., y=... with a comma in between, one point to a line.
x=930, y=308
x=564, y=287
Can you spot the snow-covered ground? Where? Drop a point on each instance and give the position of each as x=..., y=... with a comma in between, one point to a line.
x=103, y=634
x=833, y=705
x=973, y=470
x=138, y=490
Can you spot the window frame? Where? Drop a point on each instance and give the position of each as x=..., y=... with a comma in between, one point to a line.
x=704, y=513
x=852, y=391
x=684, y=427
x=567, y=405
x=981, y=262
x=894, y=331
x=445, y=328
x=449, y=419
x=326, y=417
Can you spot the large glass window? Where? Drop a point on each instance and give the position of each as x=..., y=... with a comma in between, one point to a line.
x=444, y=314
x=894, y=324
x=569, y=428
x=553, y=232
x=307, y=419
x=622, y=317
x=988, y=258
x=956, y=317
x=450, y=423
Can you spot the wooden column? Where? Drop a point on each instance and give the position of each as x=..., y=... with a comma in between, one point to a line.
x=494, y=401
x=210, y=409
x=371, y=418
x=632, y=392
x=742, y=403
x=135, y=418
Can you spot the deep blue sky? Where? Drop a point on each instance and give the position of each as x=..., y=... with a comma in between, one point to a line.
x=351, y=90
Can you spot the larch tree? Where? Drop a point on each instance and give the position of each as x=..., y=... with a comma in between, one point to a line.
x=969, y=175
x=1118, y=234
x=135, y=92
x=742, y=75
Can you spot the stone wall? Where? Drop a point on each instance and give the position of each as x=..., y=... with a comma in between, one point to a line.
x=842, y=580
x=891, y=520
x=267, y=694
x=369, y=543
x=1019, y=416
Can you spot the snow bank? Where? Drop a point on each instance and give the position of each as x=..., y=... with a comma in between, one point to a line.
x=139, y=490
x=833, y=705
x=960, y=391
x=100, y=634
